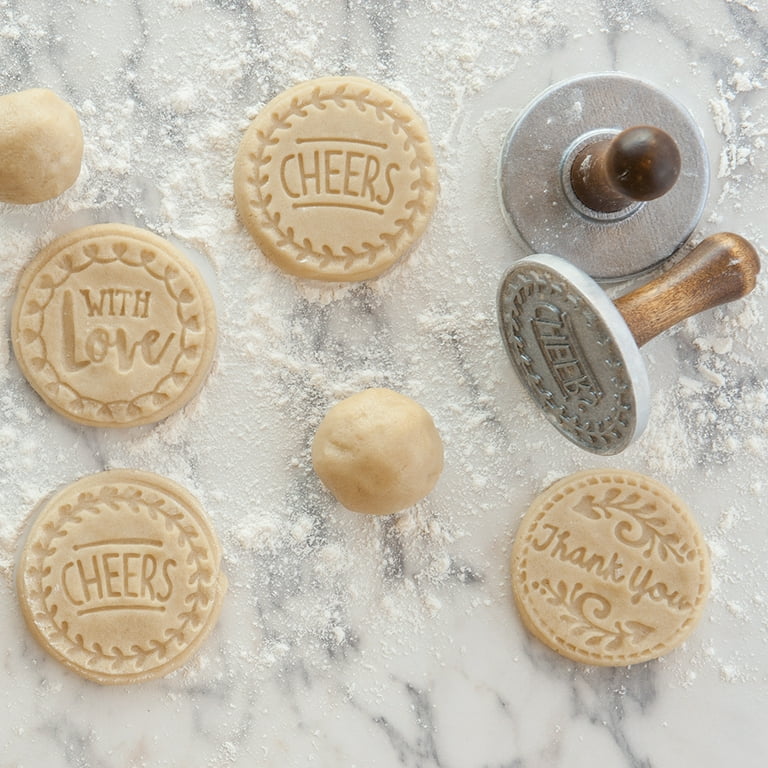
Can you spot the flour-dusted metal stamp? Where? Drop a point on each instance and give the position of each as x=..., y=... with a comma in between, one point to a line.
x=610, y=568
x=335, y=179
x=119, y=578
x=606, y=169
x=577, y=352
x=572, y=351
x=113, y=326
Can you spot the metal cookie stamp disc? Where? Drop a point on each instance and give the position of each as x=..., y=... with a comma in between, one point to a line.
x=113, y=326
x=574, y=353
x=539, y=203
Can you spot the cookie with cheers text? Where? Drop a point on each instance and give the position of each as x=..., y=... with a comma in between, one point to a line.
x=113, y=326
x=335, y=179
x=119, y=578
x=610, y=568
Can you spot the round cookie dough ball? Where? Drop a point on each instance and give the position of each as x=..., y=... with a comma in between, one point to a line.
x=41, y=146
x=378, y=452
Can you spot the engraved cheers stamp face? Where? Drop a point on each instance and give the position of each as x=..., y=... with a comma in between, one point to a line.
x=610, y=568
x=119, y=578
x=578, y=352
x=113, y=326
x=335, y=179
x=573, y=353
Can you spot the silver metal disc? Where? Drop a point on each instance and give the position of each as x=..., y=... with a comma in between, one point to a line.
x=574, y=353
x=540, y=205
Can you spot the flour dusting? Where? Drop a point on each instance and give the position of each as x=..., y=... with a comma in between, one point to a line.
x=325, y=605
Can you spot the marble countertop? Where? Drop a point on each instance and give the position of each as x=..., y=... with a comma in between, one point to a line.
x=346, y=640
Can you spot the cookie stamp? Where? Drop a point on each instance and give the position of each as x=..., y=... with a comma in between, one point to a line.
x=335, y=179
x=577, y=352
x=113, y=326
x=588, y=380
x=610, y=568
x=119, y=577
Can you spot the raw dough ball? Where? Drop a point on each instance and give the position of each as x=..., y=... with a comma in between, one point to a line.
x=41, y=146
x=378, y=452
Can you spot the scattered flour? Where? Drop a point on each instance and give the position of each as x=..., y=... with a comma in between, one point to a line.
x=162, y=128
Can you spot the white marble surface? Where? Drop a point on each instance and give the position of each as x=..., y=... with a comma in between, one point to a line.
x=350, y=641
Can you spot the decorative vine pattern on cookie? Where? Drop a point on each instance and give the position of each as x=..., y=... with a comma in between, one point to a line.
x=119, y=578
x=610, y=568
x=113, y=326
x=335, y=179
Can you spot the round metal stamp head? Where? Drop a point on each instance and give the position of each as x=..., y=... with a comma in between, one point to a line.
x=534, y=176
x=574, y=353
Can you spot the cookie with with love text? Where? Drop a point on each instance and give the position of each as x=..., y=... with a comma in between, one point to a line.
x=113, y=326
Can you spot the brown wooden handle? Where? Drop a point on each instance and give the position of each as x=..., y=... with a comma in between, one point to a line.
x=641, y=163
x=720, y=269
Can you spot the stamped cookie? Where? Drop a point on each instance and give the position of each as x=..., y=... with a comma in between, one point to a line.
x=119, y=577
x=335, y=179
x=113, y=326
x=610, y=568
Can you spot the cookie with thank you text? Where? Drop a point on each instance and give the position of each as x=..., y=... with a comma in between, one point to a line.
x=610, y=568
x=119, y=578
x=113, y=326
x=335, y=179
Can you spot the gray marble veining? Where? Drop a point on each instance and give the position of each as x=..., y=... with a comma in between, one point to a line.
x=379, y=643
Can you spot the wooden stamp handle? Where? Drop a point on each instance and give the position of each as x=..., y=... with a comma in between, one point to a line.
x=720, y=269
x=641, y=163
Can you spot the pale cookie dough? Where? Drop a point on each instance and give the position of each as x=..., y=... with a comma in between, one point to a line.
x=335, y=179
x=378, y=452
x=41, y=146
x=113, y=326
x=119, y=578
x=610, y=568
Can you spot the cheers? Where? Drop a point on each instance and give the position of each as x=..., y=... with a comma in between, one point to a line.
x=101, y=342
x=347, y=173
x=118, y=576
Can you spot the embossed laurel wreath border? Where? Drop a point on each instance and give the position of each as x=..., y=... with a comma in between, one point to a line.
x=89, y=503
x=578, y=485
x=297, y=108
x=44, y=281
x=512, y=320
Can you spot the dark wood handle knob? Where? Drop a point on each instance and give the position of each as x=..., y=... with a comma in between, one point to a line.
x=641, y=163
x=720, y=269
